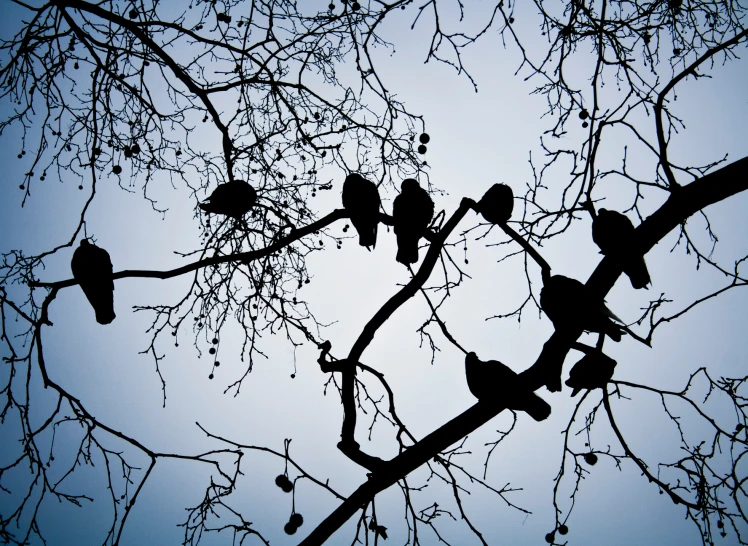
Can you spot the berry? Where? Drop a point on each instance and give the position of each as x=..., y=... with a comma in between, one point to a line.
x=424, y=138
x=289, y=529
x=117, y=169
x=422, y=149
x=296, y=520
x=133, y=13
x=563, y=529
x=590, y=459
x=584, y=114
x=549, y=538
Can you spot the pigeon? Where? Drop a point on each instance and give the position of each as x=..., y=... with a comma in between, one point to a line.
x=412, y=211
x=496, y=204
x=361, y=201
x=613, y=232
x=493, y=380
x=92, y=268
x=231, y=199
x=593, y=371
x=568, y=304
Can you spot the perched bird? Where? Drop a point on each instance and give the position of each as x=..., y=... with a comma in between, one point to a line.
x=593, y=371
x=92, y=268
x=231, y=199
x=568, y=304
x=361, y=201
x=613, y=232
x=496, y=204
x=494, y=380
x=412, y=211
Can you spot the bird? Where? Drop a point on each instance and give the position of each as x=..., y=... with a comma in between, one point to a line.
x=593, y=371
x=613, y=232
x=92, y=268
x=568, y=304
x=361, y=201
x=493, y=380
x=496, y=204
x=233, y=199
x=412, y=211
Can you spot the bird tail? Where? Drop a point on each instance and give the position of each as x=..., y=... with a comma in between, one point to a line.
x=206, y=207
x=612, y=330
x=368, y=237
x=536, y=407
x=636, y=271
x=105, y=316
x=407, y=250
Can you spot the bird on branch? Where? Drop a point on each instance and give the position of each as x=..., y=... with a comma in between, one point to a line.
x=231, y=199
x=497, y=204
x=92, y=268
x=495, y=381
x=569, y=305
x=613, y=232
x=593, y=371
x=361, y=201
x=412, y=212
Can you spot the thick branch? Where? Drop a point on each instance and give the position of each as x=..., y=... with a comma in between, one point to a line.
x=705, y=191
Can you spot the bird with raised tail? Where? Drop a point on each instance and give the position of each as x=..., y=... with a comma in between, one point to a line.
x=412, y=212
x=361, y=201
x=569, y=305
x=613, y=232
x=232, y=199
x=92, y=268
x=495, y=381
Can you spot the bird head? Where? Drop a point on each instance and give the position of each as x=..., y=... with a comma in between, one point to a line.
x=471, y=358
x=355, y=178
x=85, y=242
x=409, y=184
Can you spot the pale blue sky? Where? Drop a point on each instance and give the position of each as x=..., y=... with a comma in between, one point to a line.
x=476, y=140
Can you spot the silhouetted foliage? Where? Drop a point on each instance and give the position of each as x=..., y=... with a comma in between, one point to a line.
x=289, y=96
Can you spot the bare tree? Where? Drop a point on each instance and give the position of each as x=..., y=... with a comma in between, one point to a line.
x=133, y=91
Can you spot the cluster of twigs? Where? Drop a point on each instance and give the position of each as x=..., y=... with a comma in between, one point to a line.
x=133, y=91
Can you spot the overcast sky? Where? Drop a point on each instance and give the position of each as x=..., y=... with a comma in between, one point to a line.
x=477, y=139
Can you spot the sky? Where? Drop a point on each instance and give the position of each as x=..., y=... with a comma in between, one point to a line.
x=477, y=139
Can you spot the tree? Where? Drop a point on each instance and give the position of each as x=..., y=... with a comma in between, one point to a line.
x=143, y=96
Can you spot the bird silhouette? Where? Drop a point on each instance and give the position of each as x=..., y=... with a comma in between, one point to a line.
x=493, y=380
x=613, y=232
x=593, y=371
x=412, y=211
x=568, y=304
x=496, y=204
x=231, y=199
x=92, y=268
x=361, y=201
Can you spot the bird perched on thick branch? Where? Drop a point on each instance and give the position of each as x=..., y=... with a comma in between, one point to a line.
x=92, y=268
x=593, y=371
x=496, y=204
x=412, y=211
x=231, y=199
x=361, y=201
x=568, y=304
x=613, y=232
x=493, y=380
